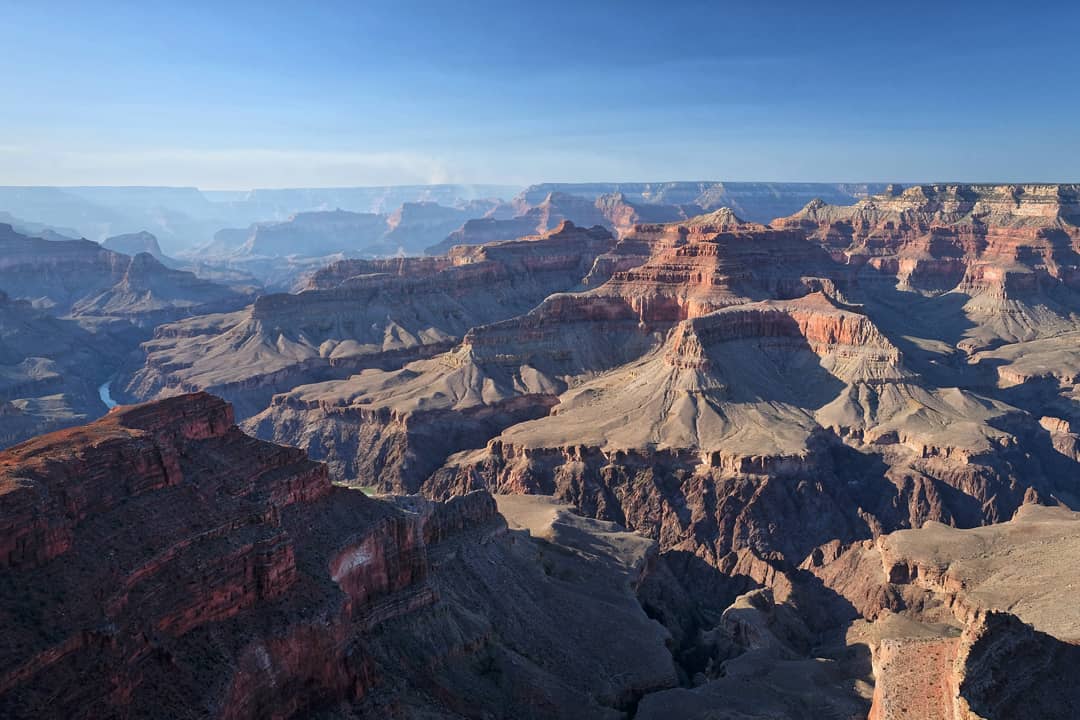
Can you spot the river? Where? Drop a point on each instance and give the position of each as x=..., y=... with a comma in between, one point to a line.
x=105, y=393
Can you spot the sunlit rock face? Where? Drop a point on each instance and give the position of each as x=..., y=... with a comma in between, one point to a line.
x=999, y=261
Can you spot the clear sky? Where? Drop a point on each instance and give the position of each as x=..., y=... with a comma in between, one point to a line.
x=233, y=94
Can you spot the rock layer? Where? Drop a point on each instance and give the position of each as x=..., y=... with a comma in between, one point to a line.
x=362, y=314
x=1002, y=260
x=159, y=561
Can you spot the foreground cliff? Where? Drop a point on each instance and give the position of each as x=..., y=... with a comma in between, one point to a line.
x=160, y=562
x=967, y=624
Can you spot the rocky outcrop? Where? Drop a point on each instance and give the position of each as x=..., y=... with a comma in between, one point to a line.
x=614, y=212
x=416, y=226
x=148, y=293
x=914, y=679
x=966, y=624
x=338, y=273
x=406, y=310
x=1000, y=259
x=710, y=262
x=545, y=216
x=316, y=234
x=133, y=542
x=135, y=243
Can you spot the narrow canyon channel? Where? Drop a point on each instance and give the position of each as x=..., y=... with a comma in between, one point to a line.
x=105, y=393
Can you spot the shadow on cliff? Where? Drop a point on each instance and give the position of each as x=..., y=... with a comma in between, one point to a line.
x=777, y=366
x=688, y=596
x=1014, y=671
x=899, y=313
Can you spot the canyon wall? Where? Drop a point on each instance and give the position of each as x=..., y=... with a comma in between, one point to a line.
x=159, y=561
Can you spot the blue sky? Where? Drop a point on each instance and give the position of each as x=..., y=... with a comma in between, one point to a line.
x=237, y=95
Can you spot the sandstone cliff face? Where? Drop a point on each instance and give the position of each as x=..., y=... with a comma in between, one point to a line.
x=1002, y=260
x=135, y=243
x=711, y=262
x=966, y=624
x=711, y=442
x=397, y=313
x=541, y=218
x=415, y=226
x=134, y=544
x=159, y=561
x=338, y=273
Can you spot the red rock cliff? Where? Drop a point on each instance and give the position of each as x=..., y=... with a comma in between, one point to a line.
x=159, y=560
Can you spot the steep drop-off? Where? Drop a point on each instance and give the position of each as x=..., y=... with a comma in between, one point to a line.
x=159, y=562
